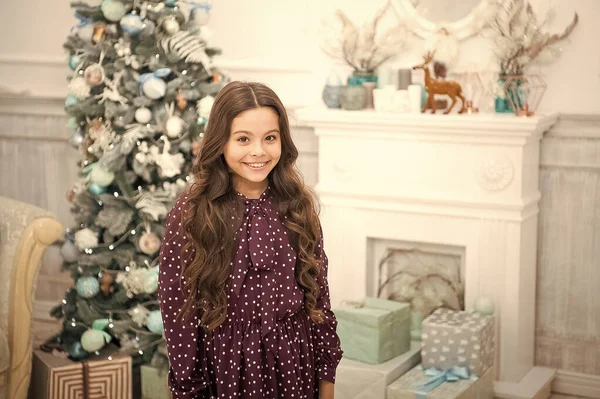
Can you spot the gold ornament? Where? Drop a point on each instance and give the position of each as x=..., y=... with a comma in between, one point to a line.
x=181, y=101
x=106, y=284
x=99, y=28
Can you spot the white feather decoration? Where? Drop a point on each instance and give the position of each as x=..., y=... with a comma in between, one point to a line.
x=189, y=47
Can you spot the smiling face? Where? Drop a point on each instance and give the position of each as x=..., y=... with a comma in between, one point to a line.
x=253, y=149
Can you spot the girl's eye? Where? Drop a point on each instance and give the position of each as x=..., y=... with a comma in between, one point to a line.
x=271, y=138
x=242, y=139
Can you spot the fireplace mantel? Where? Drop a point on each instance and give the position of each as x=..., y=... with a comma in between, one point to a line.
x=467, y=181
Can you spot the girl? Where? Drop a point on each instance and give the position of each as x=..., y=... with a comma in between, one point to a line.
x=243, y=277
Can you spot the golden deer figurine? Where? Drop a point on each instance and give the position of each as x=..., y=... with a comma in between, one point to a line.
x=435, y=86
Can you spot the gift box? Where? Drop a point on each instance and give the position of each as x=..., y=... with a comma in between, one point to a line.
x=450, y=338
x=373, y=331
x=105, y=376
x=155, y=383
x=357, y=380
x=456, y=383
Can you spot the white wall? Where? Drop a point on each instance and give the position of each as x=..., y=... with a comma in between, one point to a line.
x=278, y=42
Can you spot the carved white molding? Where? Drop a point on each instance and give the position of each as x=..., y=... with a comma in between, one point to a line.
x=495, y=173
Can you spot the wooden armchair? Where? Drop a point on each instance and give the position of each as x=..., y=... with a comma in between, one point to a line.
x=25, y=232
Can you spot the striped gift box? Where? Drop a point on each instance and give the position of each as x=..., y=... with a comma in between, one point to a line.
x=96, y=378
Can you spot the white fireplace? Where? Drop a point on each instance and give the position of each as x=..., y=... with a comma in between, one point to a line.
x=463, y=181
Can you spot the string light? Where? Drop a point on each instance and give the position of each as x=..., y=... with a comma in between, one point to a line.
x=111, y=247
x=116, y=194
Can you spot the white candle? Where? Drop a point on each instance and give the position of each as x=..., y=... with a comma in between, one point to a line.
x=414, y=98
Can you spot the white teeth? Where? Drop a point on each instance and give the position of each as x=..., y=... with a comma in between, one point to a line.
x=257, y=165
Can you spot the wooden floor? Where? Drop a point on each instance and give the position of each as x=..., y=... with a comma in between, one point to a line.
x=42, y=329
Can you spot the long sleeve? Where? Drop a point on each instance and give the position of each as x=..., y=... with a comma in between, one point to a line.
x=184, y=339
x=328, y=351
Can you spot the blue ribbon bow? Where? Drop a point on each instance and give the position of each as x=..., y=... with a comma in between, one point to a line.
x=159, y=73
x=83, y=21
x=438, y=377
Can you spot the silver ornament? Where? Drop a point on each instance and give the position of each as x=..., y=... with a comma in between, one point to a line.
x=77, y=138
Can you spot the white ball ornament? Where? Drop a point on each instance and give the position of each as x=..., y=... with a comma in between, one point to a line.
x=171, y=26
x=85, y=239
x=113, y=10
x=101, y=176
x=174, y=126
x=79, y=87
x=143, y=115
x=154, y=88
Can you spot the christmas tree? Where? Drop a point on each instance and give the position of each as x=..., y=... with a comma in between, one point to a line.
x=139, y=97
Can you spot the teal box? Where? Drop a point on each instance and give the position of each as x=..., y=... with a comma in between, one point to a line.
x=374, y=330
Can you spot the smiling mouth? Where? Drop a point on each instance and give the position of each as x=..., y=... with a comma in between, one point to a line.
x=256, y=165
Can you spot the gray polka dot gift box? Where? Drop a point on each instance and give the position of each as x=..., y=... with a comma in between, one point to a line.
x=373, y=331
x=450, y=338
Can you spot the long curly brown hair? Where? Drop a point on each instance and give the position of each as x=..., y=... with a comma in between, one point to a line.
x=212, y=203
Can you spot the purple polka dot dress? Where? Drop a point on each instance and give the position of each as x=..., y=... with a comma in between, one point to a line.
x=267, y=347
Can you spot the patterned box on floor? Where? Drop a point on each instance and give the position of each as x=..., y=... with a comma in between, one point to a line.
x=433, y=384
x=155, y=383
x=450, y=338
x=97, y=377
x=358, y=380
x=373, y=331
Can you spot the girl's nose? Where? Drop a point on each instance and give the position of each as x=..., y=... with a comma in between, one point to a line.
x=258, y=150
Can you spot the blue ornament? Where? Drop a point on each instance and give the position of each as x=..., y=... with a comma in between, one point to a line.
x=71, y=100
x=72, y=123
x=77, y=352
x=170, y=3
x=96, y=189
x=87, y=287
x=74, y=61
x=69, y=252
x=132, y=24
x=154, y=322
